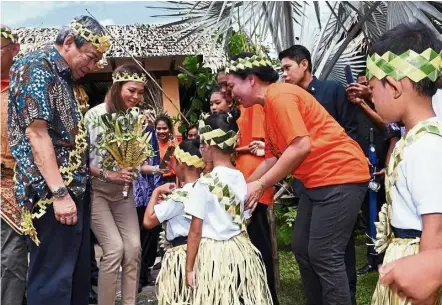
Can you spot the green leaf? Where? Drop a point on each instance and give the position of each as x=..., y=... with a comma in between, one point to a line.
x=182, y=129
x=201, y=91
x=191, y=63
x=197, y=104
x=193, y=117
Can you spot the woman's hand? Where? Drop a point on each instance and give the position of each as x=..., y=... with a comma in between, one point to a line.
x=123, y=176
x=254, y=193
x=190, y=279
x=257, y=148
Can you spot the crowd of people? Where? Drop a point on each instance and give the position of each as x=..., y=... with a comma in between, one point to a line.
x=205, y=199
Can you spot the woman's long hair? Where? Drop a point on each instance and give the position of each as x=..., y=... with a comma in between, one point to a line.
x=113, y=98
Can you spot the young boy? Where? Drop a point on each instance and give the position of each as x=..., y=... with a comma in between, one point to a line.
x=403, y=72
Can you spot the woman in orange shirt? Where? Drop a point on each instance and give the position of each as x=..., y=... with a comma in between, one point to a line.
x=304, y=140
x=164, y=129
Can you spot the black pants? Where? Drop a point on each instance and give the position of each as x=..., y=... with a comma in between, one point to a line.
x=59, y=269
x=94, y=267
x=321, y=234
x=149, y=244
x=259, y=233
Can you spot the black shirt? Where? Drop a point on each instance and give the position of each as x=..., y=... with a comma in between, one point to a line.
x=333, y=97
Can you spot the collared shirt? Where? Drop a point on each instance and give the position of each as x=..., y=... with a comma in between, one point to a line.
x=332, y=96
x=41, y=88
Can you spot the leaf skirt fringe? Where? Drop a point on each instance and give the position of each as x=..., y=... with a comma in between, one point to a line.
x=171, y=281
x=230, y=272
x=398, y=248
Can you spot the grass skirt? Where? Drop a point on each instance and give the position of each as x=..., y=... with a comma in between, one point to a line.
x=397, y=249
x=230, y=272
x=171, y=281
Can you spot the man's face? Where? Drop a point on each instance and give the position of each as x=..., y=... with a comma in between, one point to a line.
x=388, y=107
x=293, y=72
x=8, y=51
x=81, y=60
x=362, y=80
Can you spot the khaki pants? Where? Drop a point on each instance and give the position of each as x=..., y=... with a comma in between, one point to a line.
x=115, y=224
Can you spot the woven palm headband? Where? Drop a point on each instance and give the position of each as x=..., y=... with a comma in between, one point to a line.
x=100, y=42
x=6, y=32
x=217, y=137
x=242, y=64
x=187, y=158
x=409, y=64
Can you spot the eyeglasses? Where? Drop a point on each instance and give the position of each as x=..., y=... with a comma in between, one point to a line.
x=7, y=45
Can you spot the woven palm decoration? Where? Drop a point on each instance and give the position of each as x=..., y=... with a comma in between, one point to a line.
x=225, y=196
x=125, y=138
x=188, y=159
x=409, y=64
x=242, y=64
x=217, y=137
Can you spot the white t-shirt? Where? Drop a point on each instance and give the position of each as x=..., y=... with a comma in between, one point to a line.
x=178, y=224
x=437, y=103
x=217, y=223
x=418, y=190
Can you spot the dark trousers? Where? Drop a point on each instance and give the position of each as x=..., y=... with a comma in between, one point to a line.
x=149, y=244
x=14, y=261
x=59, y=269
x=324, y=225
x=259, y=233
x=94, y=266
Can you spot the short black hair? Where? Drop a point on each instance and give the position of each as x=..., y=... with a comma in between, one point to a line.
x=226, y=121
x=362, y=73
x=166, y=119
x=216, y=88
x=191, y=146
x=411, y=36
x=267, y=74
x=297, y=53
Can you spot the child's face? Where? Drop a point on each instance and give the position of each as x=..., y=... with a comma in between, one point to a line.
x=388, y=103
x=218, y=103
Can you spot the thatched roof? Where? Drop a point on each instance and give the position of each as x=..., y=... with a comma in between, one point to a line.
x=142, y=40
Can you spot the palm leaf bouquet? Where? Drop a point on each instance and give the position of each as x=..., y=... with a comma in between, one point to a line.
x=125, y=138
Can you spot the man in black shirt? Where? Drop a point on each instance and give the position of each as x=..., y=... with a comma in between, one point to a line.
x=384, y=138
x=296, y=66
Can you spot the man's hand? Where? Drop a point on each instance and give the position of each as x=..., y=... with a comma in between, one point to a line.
x=359, y=91
x=65, y=210
x=417, y=277
x=380, y=173
x=254, y=193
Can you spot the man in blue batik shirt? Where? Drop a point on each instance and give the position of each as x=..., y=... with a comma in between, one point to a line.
x=49, y=143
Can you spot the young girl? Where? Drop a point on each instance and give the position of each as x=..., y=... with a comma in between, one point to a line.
x=411, y=220
x=218, y=101
x=222, y=265
x=171, y=279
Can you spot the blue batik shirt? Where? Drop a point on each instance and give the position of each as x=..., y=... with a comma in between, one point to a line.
x=41, y=88
x=145, y=184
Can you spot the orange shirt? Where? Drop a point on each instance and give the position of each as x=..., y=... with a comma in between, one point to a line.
x=163, y=149
x=335, y=158
x=251, y=127
x=6, y=157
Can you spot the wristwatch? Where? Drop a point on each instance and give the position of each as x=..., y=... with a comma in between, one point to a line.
x=155, y=170
x=60, y=192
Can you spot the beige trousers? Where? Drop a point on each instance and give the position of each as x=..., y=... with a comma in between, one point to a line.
x=115, y=224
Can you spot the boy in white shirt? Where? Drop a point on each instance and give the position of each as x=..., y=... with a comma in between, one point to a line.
x=403, y=72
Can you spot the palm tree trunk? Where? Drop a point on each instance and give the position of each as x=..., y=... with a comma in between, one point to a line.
x=347, y=40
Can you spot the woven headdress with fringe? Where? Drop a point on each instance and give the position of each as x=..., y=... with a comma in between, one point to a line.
x=217, y=137
x=409, y=64
x=129, y=77
x=245, y=63
x=188, y=159
x=7, y=33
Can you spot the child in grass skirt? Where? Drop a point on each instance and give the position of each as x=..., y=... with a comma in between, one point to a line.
x=223, y=267
x=171, y=281
x=403, y=71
